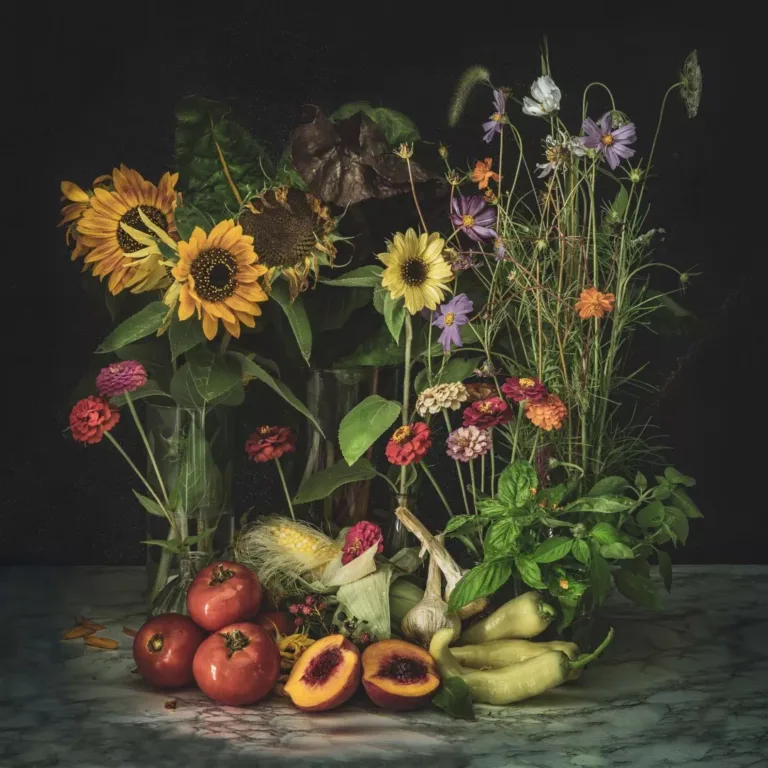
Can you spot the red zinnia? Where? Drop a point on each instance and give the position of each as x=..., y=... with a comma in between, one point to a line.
x=268, y=443
x=409, y=444
x=91, y=418
x=359, y=538
x=488, y=413
x=119, y=378
x=519, y=388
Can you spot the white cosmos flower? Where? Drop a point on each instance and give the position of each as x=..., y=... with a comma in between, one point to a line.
x=558, y=152
x=546, y=98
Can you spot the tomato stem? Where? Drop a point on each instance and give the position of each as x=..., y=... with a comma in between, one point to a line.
x=219, y=575
x=155, y=643
x=235, y=641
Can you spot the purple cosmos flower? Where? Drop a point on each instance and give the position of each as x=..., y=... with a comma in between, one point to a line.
x=499, y=251
x=493, y=125
x=450, y=317
x=473, y=217
x=614, y=144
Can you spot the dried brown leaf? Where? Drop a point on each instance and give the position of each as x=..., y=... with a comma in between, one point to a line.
x=130, y=632
x=107, y=643
x=79, y=631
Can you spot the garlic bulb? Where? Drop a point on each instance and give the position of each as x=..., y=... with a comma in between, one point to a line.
x=431, y=613
x=442, y=558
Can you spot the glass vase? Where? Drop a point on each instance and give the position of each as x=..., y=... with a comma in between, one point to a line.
x=172, y=598
x=193, y=450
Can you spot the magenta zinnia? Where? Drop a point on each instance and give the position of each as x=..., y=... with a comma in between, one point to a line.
x=360, y=538
x=488, y=413
x=118, y=378
x=519, y=388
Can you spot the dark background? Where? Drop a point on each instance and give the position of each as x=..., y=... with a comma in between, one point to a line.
x=91, y=92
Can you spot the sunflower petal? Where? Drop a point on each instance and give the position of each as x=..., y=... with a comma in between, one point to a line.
x=72, y=192
x=210, y=326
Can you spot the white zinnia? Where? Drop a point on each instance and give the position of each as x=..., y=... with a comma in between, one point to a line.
x=434, y=399
x=546, y=98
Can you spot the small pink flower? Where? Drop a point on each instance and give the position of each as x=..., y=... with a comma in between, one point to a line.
x=306, y=610
x=298, y=621
x=294, y=608
x=118, y=378
x=467, y=443
x=359, y=538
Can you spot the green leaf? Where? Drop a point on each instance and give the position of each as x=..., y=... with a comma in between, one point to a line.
x=254, y=370
x=187, y=217
x=151, y=353
x=324, y=483
x=664, y=491
x=568, y=606
x=393, y=475
x=516, y=484
x=641, y=481
x=183, y=336
x=680, y=499
x=481, y=581
x=364, y=424
x=394, y=315
x=677, y=523
x=651, y=516
x=600, y=578
x=491, y=507
x=206, y=534
x=616, y=551
x=604, y=533
x=461, y=524
x=396, y=127
x=172, y=545
x=608, y=486
x=379, y=350
x=639, y=589
x=501, y=538
x=665, y=568
x=602, y=504
x=297, y=317
x=202, y=178
x=455, y=698
x=455, y=370
x=529, y=571
x=671, y=474
x=198, y=483
x=362, y=277
x=205, y=378
x=150, y=389
x=581, y=551
x=150, y=505
x=551, y=550
x=145, y=321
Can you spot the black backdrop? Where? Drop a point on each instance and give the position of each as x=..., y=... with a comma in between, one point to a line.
x=92, y=93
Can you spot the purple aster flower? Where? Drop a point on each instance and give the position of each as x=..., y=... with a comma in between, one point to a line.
x=493, y=125
x=499, y=250
x=450, y=317
x=613, y=143
x=463, y=262
x=473, y=217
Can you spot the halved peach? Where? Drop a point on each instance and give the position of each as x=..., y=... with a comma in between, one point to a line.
x=326, y=674
x=399, y=675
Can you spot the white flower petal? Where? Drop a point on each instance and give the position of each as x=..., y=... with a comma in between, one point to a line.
x=530, y=107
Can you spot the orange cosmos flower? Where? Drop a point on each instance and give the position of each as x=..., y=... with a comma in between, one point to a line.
x=483, y=173
x=592, y=303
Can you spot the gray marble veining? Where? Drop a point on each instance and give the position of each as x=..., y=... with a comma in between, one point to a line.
x=684, y=687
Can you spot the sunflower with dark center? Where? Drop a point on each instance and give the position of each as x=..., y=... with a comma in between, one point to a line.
x=291, y=231
x=217, y=277
x=111, y=225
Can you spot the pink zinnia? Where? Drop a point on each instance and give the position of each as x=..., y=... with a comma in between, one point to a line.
x=488, y=413
x=360, y=538
x=118, y=378
x=467, y=443
x=90, y=418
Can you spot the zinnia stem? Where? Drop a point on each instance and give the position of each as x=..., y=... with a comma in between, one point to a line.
x=285, y=488
x=425, y=469
x=519, y=418
x=474, y=488
x=493, y=461
x=482, y=474
x=458, y=466
x=132, y=408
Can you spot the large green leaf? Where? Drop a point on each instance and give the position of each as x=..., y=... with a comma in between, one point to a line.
x=150, y=389
x=145, y=321
x=501, y=538
x=202, y=177
x=604, y=533
x=254, y=370
x=529, y=571
x=205, y=378
x=362, y=277
x=518, y=484
x=455, y=370
x=183, y=336
x=581, y=551
x=187, y=217
x=677, y=522
x=665, y=568
x=460, y=525
x=199, y=482
x=680, y=499
x=651, y=516
x=364, y=424
x=150, y=505
x=604, y=504
x=677, y=478
x=481, y=581
x=551, y=550
x=396, y=127
x=637, y=588
x=600, y=578
x=297, y=317
x=324, y=483
x=616, y=551
x=608, y=486
x=379, y=350
x=455, y=698
x=394, y=315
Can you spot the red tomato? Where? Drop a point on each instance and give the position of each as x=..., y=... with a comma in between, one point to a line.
x=223, y=593
x=164, y=648
x=237, y=665
x=278, y=619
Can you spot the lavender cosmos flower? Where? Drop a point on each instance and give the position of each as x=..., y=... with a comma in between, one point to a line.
x=473, y=217
x=613, y=143
x=546, y=98
x=493, y=125
x=450, y=317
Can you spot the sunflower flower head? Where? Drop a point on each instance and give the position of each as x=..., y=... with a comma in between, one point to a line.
x=292, y=233
x=416, y=270
x=217, y=278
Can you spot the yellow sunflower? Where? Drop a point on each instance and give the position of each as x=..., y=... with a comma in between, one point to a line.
x=217, y=276
x=76, y=201
x=290, y=231
x=113, y=252
x=416, y=269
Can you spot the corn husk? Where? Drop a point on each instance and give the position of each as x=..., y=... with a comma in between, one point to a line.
x=367, y=600
x=336, y=574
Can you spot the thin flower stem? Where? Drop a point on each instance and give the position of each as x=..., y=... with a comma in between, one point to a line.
x=474, y=487
x=517, y=432
x=482, y=474
x=406, y=394
x=225, y=167
x=501, y=160
x=533, y=450
x=425, y=469
x=285, y=488
x=493, y=462
x=458, y=466
x=143, y=480
x=145, y=440
x=415, y=199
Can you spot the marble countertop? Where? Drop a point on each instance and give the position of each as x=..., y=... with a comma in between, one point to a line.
x=685, y=687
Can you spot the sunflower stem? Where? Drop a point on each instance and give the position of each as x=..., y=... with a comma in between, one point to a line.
x=406, y=391
x=145, y=440
x=415, y=199
x=224, y=166
x=285, y=489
